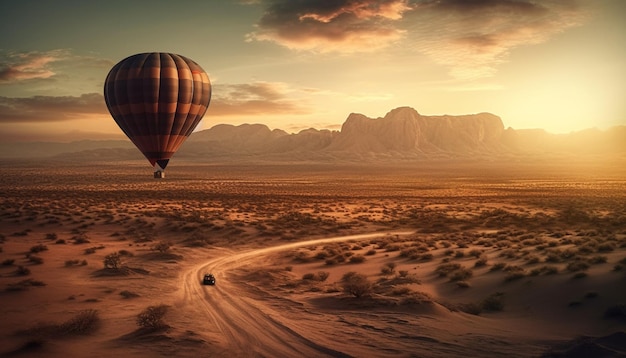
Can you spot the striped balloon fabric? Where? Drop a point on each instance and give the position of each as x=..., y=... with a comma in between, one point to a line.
x=157, y=99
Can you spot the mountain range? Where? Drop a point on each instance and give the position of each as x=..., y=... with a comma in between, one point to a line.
x=402, y=133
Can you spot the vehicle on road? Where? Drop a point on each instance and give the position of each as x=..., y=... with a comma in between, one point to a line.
x=208, y=279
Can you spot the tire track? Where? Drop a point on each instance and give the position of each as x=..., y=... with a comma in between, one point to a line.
x=249, y=328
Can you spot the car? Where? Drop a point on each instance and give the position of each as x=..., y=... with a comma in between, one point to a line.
x=209, y=279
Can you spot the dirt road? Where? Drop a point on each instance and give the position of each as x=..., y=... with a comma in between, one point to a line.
x=247, y=327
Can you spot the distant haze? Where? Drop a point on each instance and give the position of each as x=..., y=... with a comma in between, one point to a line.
x=402, y=133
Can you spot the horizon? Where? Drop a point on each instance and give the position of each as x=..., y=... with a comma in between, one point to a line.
x=78, y=136
x=554, y=66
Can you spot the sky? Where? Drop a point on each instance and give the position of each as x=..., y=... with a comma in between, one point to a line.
x=559, y=65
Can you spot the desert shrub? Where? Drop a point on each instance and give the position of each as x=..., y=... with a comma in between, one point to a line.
x=126, y=253
x=508, y=253
x=22, y=271
x=38, y=248
x=606, y=247
x=69, y=263
x=579, y=275
x=8, y=262
x=289, y=268
x=410, y=252
x=24, y=284
x=356, y=284
x=323, y=275
x=89, y=251
x=426, y=256
x=81, y=239
x=620, y=265
x=370, y=252
x=60, y=241
x=532, y=259
x=577, y=266
x=514, y=275
x=128, y=294
x=553, y=256
x=84, y=322
x=463, y=284
x=482, y=261
x=591, y=294
x=388, y=269
x=460, y=275
x=152, y=317
x=568, y=254
x=575, y=303
x=459, y=254
x=112, y=261
x=475, y=252
x=357, y=259
x=494, y=302
x=497, y=267
x=586, y=249
x=617, y=311
x=445, y=269
x=331, y=262
x=549, y=270
x=162, y=247
x=51, y=236
x=598, y=260
x=308, y=276
x=35, y=259
x=321, y=255
x=403, y=273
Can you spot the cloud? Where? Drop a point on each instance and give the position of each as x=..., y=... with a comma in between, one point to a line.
x=469, y=37
x=331, y=26
x=16, y=66
x=257, y=98
x=50, y=109
x=472, y=37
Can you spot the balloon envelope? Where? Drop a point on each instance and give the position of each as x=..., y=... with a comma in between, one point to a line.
x=157, y=99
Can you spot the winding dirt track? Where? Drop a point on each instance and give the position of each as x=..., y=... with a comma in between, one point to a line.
x=248, y=327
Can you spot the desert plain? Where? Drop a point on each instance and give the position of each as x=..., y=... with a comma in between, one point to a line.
x=448, y=258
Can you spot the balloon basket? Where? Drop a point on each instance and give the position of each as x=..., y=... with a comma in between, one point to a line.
x=159, y=174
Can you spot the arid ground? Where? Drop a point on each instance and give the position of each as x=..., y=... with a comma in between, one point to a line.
x=417, y=259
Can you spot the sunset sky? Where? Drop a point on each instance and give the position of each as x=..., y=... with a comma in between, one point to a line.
x=559, y=65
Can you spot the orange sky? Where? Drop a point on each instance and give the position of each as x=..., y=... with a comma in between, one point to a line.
x=294, y=64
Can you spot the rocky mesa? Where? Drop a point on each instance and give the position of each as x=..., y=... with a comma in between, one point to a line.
x=401, y=133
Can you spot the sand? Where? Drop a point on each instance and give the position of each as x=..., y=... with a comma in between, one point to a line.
x=489, y=259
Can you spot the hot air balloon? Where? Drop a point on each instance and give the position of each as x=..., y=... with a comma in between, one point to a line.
x=157, y=99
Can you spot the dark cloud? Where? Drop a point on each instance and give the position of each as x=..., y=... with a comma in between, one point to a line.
x=471, y=37
x=50, y=109
x=229, y=100
x=253, y=99
x=337, y=25
x=516, y=6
